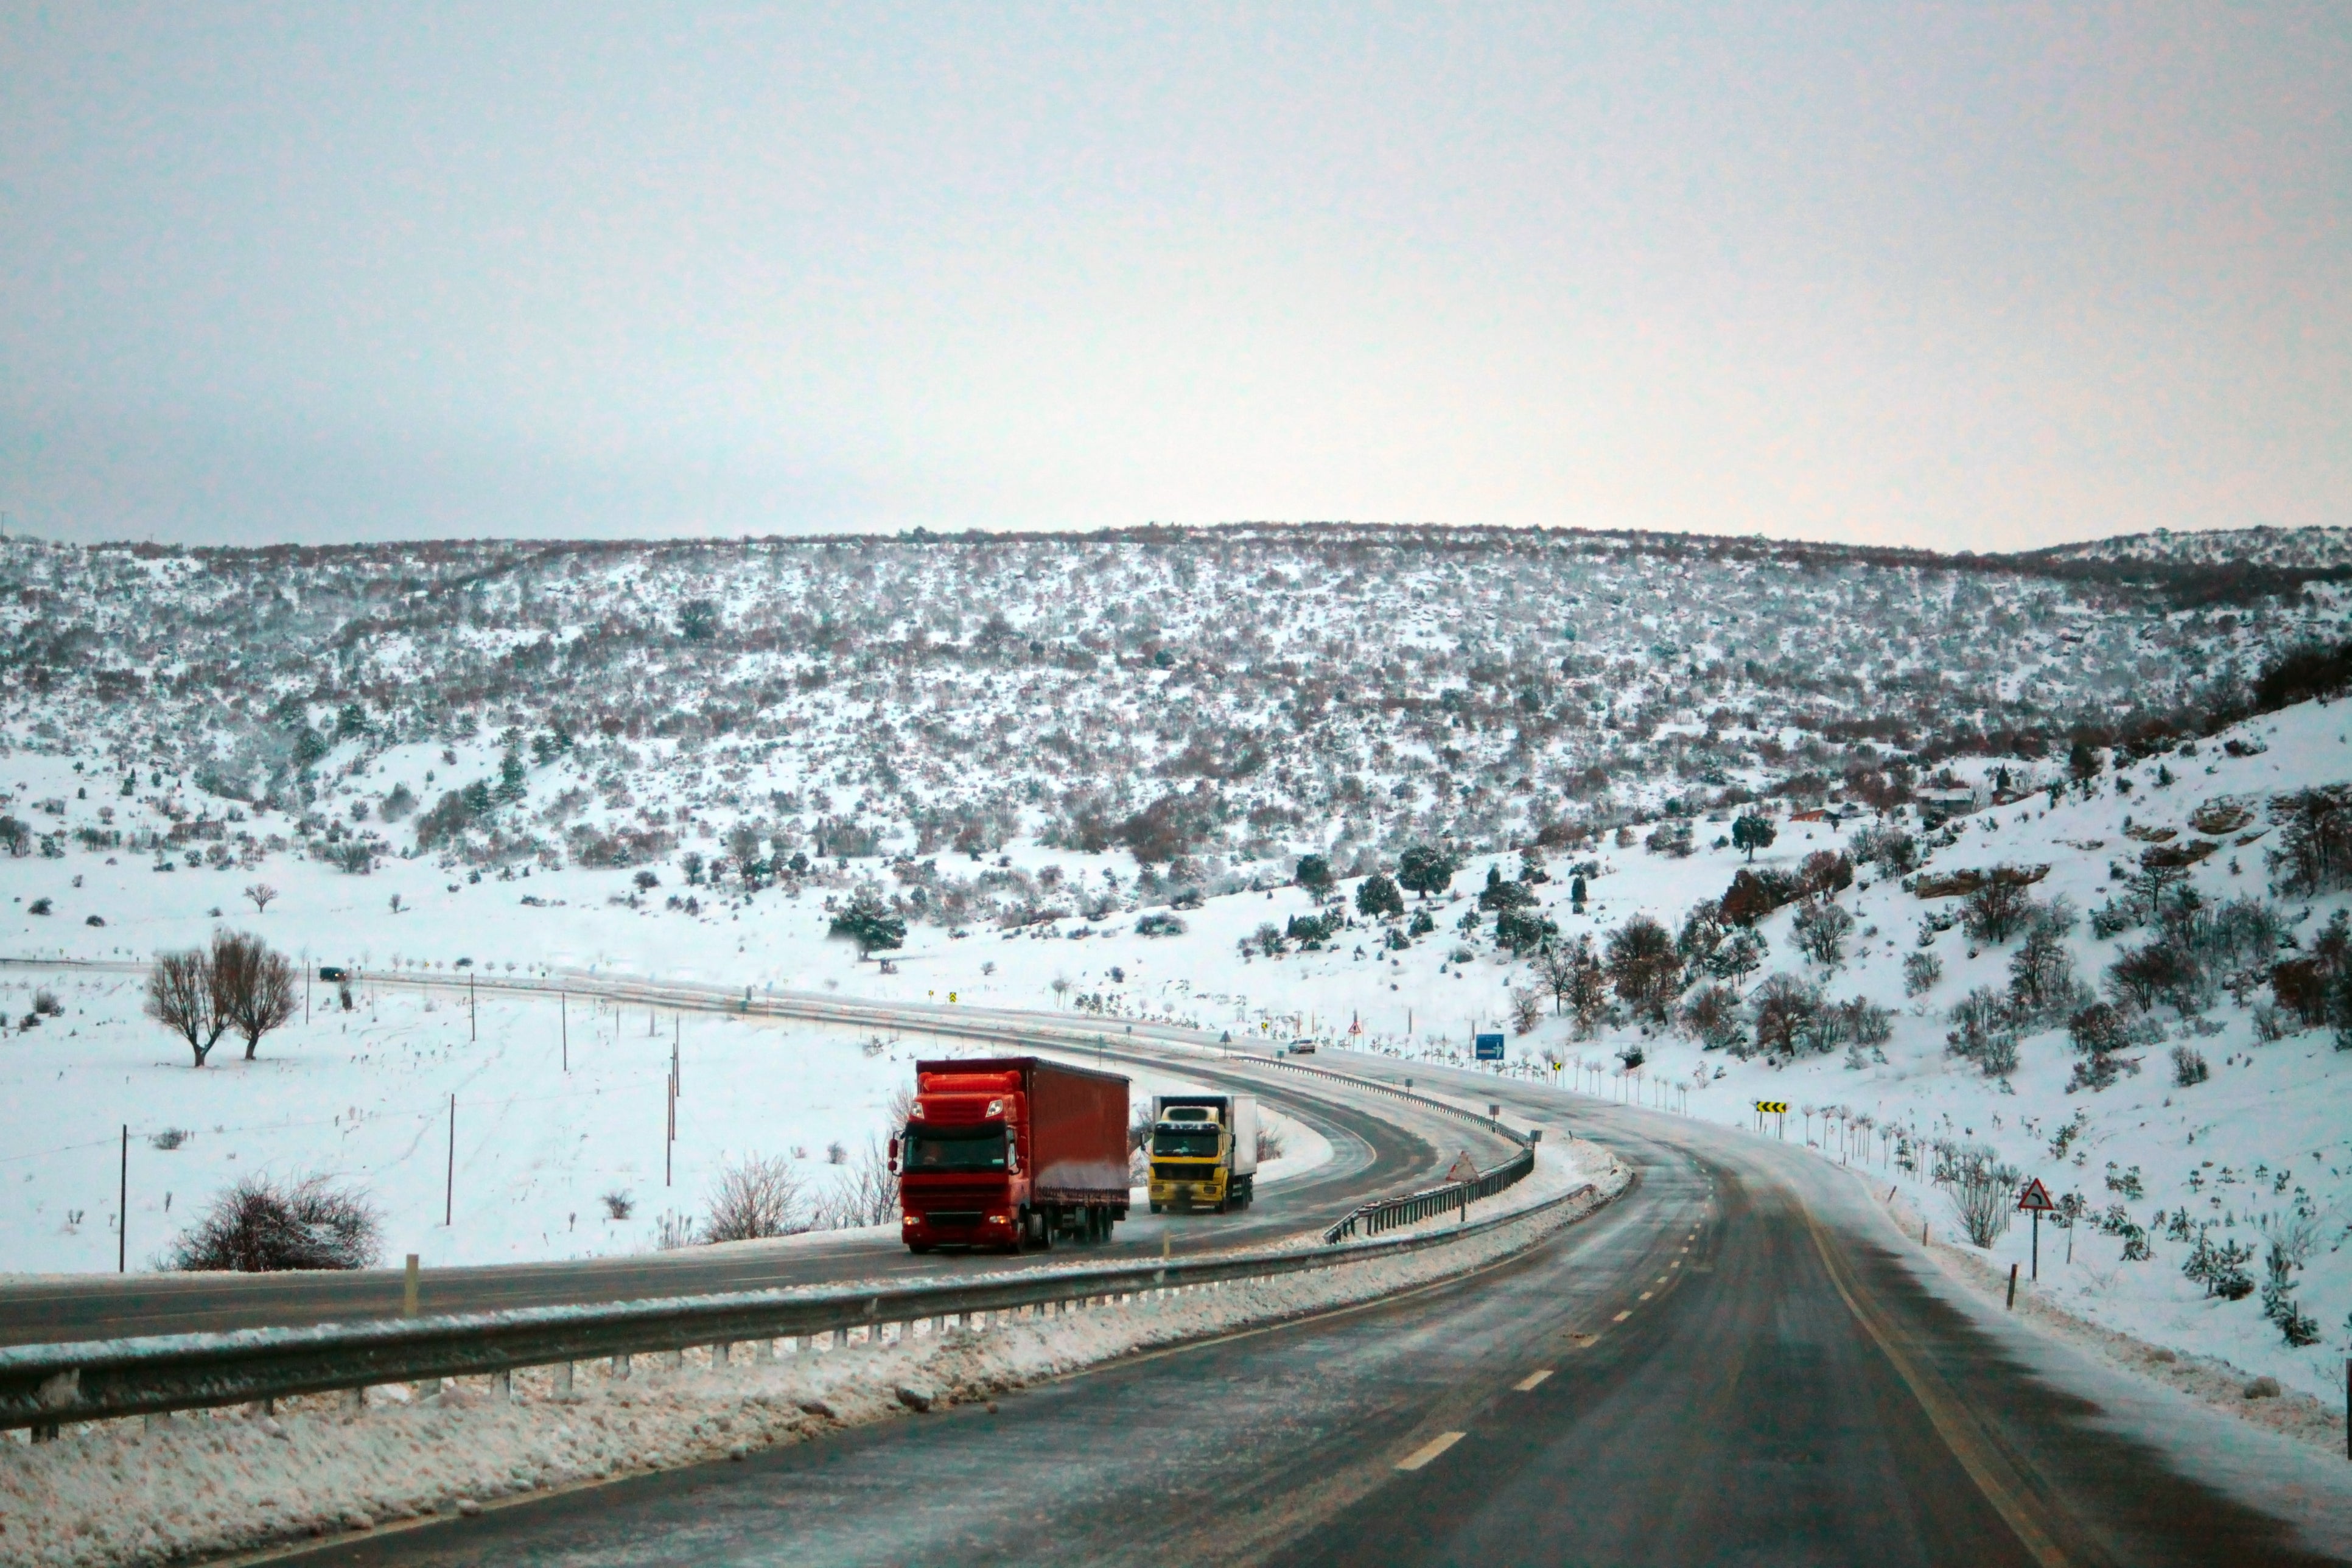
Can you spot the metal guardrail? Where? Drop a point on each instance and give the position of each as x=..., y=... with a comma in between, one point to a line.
x=1387, y=1214
x=43, y=1385
x=1383, y=1215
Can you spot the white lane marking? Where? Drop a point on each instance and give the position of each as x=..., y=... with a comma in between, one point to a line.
x=1429, y=1450
x=1622, y=1316
x=1646, y=1295
x=1527, y=1383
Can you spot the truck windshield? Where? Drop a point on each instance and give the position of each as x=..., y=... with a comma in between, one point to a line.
x=955, y=1147
x=1198, y=1143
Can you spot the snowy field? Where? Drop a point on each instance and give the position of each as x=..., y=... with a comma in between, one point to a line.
x=365, y=1098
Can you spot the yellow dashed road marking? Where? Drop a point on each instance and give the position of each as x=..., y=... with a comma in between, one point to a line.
x=1429, y=1450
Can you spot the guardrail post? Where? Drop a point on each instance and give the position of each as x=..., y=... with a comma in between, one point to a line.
x=841, y=1339
x=718, y=1354
x=502, y=1385
x=564, y=1380
x=354, y=1401
x=763, y=1350
x=673, y=1360
x=621, y=1365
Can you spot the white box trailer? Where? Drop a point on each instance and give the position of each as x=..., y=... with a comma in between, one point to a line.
x=1203, y=1151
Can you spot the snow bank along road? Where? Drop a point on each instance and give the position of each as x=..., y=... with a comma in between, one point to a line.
x=1740, y=1361
x=1381, y=1145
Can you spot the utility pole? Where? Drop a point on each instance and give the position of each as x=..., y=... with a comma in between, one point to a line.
x=472, y=1013
x=563, y=1020
x=449, y=1190
x=122, y=1221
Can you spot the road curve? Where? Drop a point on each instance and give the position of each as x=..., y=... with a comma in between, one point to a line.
x=1737, y=1362
x=1377, y=1146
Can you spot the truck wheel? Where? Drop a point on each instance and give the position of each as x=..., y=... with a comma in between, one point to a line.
x=1155, y=1206
x=918, y=1246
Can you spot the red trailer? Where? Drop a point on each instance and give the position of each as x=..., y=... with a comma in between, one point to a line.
x=1010, y=1152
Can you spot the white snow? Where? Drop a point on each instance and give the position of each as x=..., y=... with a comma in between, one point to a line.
x=364, y=1097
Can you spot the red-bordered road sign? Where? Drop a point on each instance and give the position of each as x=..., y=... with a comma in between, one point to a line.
x=2036, y=1198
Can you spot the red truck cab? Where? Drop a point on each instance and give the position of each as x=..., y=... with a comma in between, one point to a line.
x=1010, y=1152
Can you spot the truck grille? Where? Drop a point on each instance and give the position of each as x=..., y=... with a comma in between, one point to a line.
x=1182, y=1173
x=953, y=1216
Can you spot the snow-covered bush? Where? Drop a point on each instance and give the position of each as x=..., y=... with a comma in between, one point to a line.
x=1984, y=1031
x=1922, y=973
x=261, y=1225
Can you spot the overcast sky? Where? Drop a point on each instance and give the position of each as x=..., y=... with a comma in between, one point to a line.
x=1966, y=276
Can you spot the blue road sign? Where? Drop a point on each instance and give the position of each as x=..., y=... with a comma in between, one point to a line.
x=1490, y=1048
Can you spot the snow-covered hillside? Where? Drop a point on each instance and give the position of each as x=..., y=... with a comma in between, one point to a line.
x=1213, y=701
x=1083, y=773
x=2285, y=547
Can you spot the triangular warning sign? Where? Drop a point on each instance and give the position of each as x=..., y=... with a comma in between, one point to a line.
x=1462, y=1169
x=2035, y=1196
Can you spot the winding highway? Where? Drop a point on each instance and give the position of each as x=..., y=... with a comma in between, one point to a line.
x=1740, y=1362
x=1374, y=1152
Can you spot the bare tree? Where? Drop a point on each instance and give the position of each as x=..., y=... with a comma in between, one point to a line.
x=1555, y=968
x=867, y=1194
x=1527, y=1009
x=756, y=1197
x=260, y=893
x=256, y=985
x=183, y=998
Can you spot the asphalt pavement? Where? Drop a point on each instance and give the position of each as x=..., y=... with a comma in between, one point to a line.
x=1737, y=1362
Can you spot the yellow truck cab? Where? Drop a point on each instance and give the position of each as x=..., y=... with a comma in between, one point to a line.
x=1203, y=1151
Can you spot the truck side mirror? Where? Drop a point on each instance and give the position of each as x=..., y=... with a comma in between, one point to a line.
x=894, y=1155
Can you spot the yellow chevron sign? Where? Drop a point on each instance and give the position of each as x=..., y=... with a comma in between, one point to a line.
x=1773, y=1107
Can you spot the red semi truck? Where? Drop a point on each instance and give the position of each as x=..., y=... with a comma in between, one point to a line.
x=1010, y=1152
